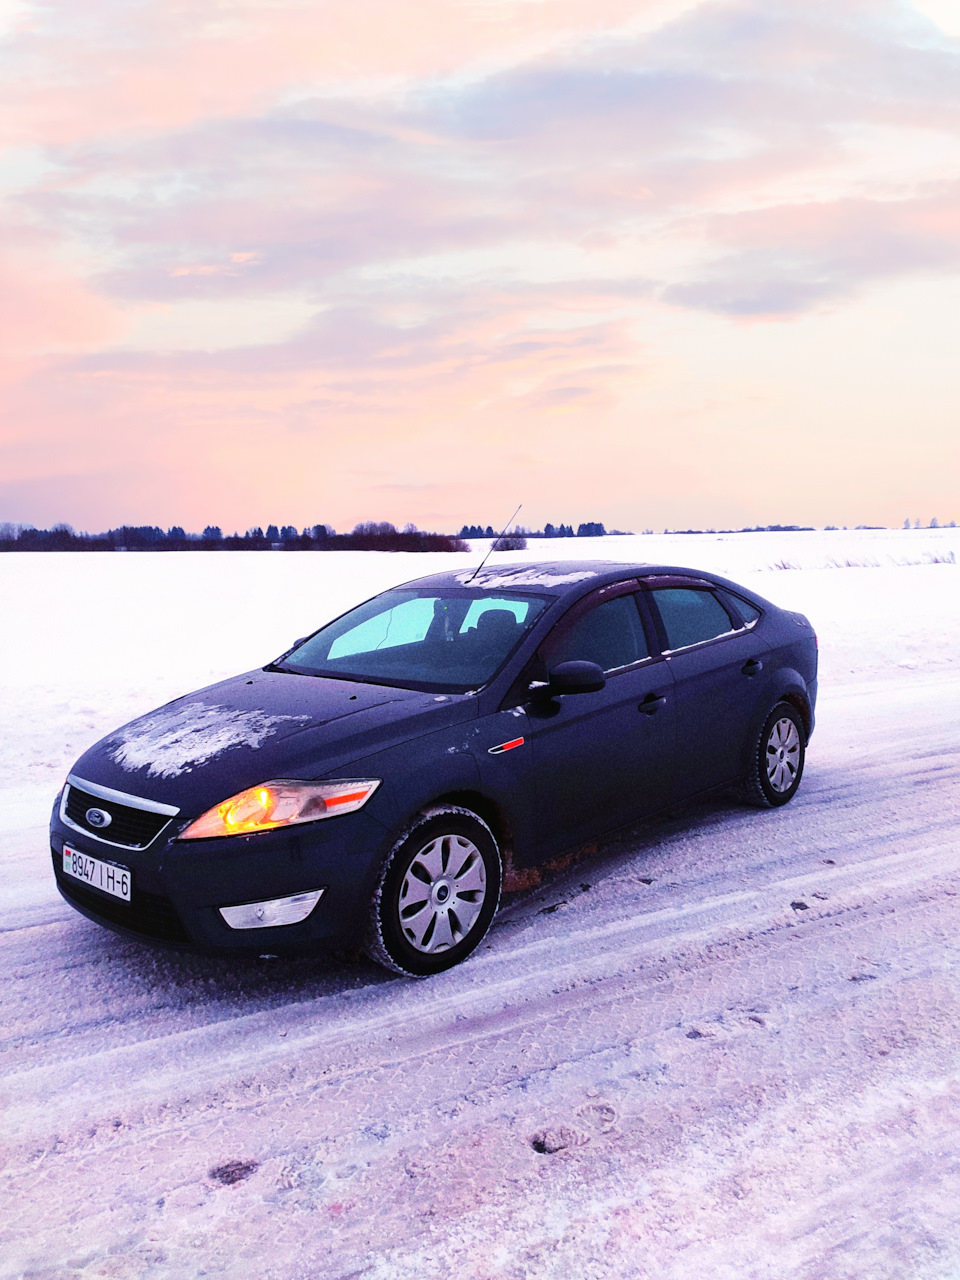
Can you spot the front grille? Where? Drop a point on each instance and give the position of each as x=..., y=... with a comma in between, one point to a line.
x=132, y=828
x=146, y=913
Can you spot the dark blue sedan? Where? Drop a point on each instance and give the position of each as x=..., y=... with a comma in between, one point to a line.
x=379, y=781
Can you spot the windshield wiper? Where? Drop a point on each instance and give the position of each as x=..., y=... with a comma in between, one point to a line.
x=318, y=673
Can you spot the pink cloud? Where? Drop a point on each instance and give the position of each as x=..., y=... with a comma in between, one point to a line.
x=784, y=259
x=90, y=73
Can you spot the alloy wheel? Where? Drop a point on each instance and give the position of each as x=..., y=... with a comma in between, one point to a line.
x=442, y=893
x=783, y=755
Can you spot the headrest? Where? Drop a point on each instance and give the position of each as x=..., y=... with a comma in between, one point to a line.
x=496, y=623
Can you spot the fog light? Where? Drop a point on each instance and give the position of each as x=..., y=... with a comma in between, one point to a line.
x=275, y=911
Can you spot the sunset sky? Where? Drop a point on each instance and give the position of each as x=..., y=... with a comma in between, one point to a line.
x=650, y=262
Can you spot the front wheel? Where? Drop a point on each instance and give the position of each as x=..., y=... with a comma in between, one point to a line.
x=777, y=764
x=437, y=894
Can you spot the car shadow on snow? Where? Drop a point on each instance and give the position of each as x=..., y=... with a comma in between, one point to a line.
x=700, y=841
x=242, y=983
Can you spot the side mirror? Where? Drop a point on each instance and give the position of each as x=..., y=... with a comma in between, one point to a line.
x=576, y=677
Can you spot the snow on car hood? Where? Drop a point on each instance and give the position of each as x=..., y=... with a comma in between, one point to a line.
x=174, y=739
x=208, y=745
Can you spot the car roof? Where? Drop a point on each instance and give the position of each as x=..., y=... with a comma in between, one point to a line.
x=553, y=577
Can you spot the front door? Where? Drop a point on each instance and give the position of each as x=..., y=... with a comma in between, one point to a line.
x=601, y=760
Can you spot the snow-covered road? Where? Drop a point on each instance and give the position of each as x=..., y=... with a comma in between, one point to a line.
x=733, y=1036
x=726, y=1044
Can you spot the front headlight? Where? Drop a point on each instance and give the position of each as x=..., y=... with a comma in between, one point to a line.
x=280, y=804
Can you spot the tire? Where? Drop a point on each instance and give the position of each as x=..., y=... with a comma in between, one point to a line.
x=448, y=862
x=777, y=763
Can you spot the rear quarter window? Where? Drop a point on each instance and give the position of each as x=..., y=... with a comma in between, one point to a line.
x=740, y=607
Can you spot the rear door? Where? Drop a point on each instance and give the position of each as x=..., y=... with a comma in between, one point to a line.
x=715, y=660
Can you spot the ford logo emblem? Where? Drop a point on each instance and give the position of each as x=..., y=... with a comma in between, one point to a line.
x=98, y=818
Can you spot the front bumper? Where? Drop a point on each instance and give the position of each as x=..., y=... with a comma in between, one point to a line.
x=178, y=888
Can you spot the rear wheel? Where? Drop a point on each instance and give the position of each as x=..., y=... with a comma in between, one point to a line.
x=437, y=894
x=777, y=764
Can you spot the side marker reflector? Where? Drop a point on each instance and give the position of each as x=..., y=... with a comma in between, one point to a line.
x=505, y=746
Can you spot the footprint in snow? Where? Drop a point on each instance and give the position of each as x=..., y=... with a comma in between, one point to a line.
x=598, y=1115
x=233, y=1171
x=549, y=1141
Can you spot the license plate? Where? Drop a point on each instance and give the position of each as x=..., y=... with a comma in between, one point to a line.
x=107, y=876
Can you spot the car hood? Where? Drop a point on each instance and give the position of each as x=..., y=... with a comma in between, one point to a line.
x=199, y=749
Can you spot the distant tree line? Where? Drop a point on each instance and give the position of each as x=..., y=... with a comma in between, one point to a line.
x=757, y=528
x=589, y=529
x=808, y=528
x=367, y=536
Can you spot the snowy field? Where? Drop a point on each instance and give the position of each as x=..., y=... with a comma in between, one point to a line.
x=725, y=1045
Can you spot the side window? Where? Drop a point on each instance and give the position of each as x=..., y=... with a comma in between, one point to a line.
x=690, y=616
x=611, y=635
x=747, y=611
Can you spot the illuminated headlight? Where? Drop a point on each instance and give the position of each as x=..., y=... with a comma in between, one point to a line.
x=275, y=911
x=280, y=804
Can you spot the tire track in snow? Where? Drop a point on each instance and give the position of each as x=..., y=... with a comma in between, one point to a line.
x=520, y=989
x=662, y=1037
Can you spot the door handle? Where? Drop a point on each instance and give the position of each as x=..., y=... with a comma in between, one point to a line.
x=751, y=667
x=652, y=703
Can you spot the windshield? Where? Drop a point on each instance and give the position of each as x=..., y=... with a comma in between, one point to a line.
x=447, y=640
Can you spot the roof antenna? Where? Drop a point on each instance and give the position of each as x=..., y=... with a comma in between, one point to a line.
x=493, y=546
